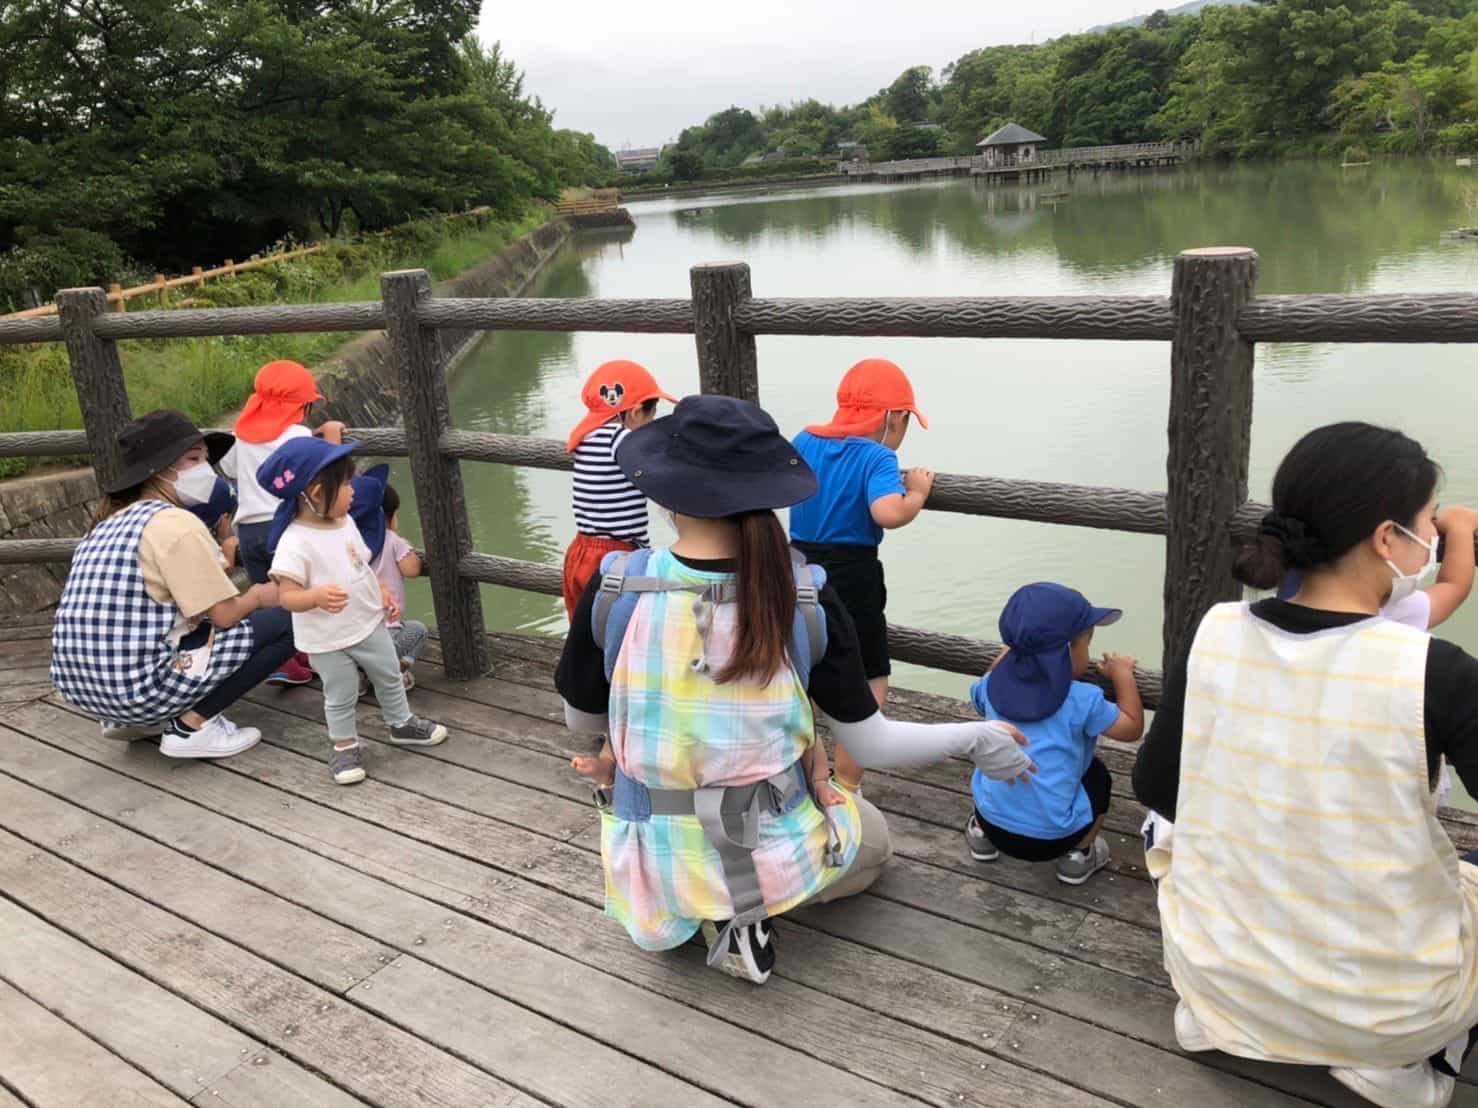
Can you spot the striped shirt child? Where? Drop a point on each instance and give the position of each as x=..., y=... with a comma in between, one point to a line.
x=607, y=505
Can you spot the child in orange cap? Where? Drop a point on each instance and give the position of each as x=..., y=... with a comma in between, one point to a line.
x=861, y=494
x=610, y=514
x=275, y=413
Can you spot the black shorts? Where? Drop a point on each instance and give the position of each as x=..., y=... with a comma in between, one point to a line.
x=856, y=574
x=1097, y=782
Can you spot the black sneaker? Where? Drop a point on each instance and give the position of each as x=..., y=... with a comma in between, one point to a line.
x=751, y=953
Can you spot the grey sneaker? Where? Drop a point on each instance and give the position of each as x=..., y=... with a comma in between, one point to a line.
x=347, y=765
x=1076, y=866
x=417, y=732
x=981, y=848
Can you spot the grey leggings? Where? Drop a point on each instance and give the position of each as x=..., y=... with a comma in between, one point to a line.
x=410, y=639
x=339, y=672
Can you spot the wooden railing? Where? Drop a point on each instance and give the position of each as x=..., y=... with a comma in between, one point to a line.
x=1124, y=152
x=1211, y=319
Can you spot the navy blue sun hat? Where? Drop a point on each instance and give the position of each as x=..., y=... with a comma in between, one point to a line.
x=367, y=510
x=222, y=502
x=1039, y=624
x=715, y=456
x=290, y=469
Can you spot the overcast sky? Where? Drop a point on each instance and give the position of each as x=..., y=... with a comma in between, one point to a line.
x=636, y=72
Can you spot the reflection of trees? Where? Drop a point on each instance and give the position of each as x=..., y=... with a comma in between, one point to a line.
x=1318, y=228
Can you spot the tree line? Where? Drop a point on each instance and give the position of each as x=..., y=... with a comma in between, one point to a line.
x=1246, y=79
x=156, y=134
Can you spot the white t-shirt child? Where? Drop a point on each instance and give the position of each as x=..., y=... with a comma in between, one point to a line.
x=255, y=504
x=330, y=553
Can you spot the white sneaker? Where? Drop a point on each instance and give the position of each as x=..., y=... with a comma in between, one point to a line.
x=128, y=732
x=1415, y=1086
x=219, y=738
x=1188, y=1032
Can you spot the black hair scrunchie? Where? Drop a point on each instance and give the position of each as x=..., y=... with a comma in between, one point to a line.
x=1302, y=548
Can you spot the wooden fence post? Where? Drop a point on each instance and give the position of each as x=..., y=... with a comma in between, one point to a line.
x=1210, y=435
x=445, y=528
x=726, y=358
x=97, y=374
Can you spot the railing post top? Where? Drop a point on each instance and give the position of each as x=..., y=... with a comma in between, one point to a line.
x=417, y=277
x=1219, y=252
x=86, y=292
x=703, y=267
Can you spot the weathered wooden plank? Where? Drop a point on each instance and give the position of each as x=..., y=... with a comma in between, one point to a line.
x=726, y=352
x=174, y=1042
x=360, y=1052
x=266, y=1078
x=693, y=1046
x=422, y=771
x=51, y=1063
x=325, y=953
x=1057, y=981
x=866, y=1042
x=557, y=1064
x=1126, y=1023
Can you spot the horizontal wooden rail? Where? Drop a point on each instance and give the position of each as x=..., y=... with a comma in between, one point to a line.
x=269, y=319
x=1102, y=508
x=1441, y=317
x=558, y=314
x=1447, y=317
x=954, y=653
x=1093, y=317
x=40, y=329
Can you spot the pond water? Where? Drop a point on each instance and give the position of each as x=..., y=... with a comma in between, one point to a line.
x=1084, y=412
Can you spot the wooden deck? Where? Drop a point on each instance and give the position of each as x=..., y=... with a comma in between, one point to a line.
x=248, y=933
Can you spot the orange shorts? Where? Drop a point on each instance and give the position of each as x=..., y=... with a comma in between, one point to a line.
x=582, y=562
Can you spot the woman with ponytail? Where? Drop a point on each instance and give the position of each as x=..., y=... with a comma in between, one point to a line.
x=1314, y=910
x=718, y=810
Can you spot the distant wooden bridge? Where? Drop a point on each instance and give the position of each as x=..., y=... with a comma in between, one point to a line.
x=1132, y=155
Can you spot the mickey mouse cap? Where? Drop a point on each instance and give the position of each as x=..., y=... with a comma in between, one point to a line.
x=613, y=388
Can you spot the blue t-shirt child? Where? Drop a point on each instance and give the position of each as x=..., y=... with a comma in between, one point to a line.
x=1055, y=804
x=851, y=473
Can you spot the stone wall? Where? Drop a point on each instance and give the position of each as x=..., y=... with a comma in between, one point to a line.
x=358, y=383
x=45, y=506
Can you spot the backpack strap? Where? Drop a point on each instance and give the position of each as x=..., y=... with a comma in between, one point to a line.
x=624, y=579
x=808, y=635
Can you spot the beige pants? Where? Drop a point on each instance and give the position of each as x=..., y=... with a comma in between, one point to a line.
x=873, y=853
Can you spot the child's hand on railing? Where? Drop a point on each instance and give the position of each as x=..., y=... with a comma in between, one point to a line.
x=1116, y=666
x=331, y=598
x=919, y=480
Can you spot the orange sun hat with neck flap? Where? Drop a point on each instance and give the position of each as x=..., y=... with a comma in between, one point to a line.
x=281, y=392
x=614, y=387
x=869, y=391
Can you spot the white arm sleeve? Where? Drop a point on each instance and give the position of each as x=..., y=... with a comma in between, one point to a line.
x=577, y=720
x=882, y=743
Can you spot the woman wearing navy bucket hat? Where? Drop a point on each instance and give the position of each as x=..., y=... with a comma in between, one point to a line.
x=150, y=636
x=701, y=662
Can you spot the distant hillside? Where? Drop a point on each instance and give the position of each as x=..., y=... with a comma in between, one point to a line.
x=1185, y=9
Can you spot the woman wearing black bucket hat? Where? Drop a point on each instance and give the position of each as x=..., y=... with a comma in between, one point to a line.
x=701, y=662
x=150, y=635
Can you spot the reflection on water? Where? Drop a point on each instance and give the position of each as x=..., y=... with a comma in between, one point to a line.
x=1084, y=412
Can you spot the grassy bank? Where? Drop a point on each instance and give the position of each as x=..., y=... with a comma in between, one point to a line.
x=205, y=377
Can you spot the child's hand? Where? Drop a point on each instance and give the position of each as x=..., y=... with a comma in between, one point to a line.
x=266, y=595
x=919, y=480
x=828, y=795
x=1457, y=516
x=387, y=600
x=1115, y=666
x=599, y=770
x=331, y=598
x=331, y=431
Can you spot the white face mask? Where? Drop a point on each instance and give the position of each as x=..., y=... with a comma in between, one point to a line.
x=193, y=486
x=1405, y=584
